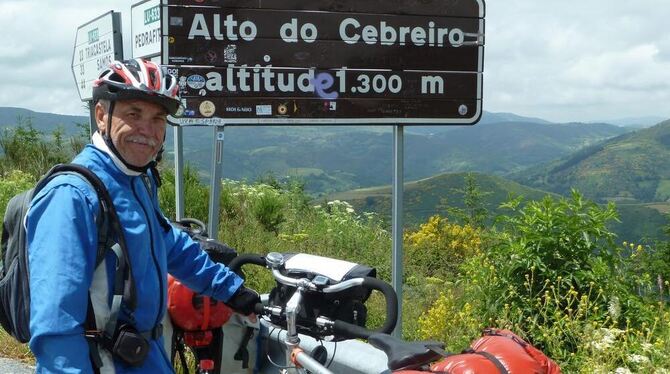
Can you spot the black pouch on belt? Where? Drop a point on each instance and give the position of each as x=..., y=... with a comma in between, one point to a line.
x=129, y=346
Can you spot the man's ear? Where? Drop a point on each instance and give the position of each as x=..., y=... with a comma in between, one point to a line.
x=100, y=117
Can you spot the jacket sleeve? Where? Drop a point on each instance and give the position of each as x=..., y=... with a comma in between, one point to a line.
x=192, y=266
x=61, y=233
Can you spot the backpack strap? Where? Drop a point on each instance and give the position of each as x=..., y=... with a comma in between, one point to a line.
x=109, y=228
x=93, y=351
x=111, y=224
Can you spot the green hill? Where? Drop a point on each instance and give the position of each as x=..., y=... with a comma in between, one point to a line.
x=332, y=158
x=44, y=122
x=426, y=197
x=338, y=158
x=629, y=168
x=504, y=147
x=429, y=196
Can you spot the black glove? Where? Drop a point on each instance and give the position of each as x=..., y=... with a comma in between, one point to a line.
x=244, y=300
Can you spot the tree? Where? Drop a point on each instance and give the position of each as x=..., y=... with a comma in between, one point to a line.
x=474, y=212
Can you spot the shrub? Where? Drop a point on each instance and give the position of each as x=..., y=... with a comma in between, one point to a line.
x=28, y=149
x=438, y=247
x=196, y=195
x=14, y=182
x=554, y=275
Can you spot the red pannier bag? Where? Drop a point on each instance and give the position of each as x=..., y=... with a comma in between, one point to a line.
x=497, y=351
x=193, y=312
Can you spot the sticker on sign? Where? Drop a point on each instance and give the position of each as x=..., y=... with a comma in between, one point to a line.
x=96, y=45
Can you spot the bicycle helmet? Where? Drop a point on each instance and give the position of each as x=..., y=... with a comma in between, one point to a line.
x=138, y=79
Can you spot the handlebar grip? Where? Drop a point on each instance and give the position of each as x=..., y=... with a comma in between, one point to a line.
x=355, y=331
x=244, y=259
x=259, y=309
x=341, y=328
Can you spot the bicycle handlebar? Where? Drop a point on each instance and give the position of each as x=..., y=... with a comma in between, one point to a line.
x=339, y=327
x=244, y=259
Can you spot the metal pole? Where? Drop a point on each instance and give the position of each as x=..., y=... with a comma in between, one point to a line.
x=215, y=184
x=178, y=172
x=397, y=224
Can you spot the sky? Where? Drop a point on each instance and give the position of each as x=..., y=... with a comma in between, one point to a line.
x=559, y=60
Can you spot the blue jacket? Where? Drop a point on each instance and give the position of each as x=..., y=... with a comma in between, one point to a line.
x=62, y=240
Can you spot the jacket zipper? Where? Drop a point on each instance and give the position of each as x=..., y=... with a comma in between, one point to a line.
x=153, y=254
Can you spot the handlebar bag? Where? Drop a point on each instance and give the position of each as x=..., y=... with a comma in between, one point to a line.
x=347, y=305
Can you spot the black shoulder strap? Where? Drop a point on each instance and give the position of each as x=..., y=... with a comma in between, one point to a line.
x=127, y=288
x=108, y=222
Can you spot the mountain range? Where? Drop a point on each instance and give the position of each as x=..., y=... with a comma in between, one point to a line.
x=337, y=158
x=631, y=167
x=511, y=154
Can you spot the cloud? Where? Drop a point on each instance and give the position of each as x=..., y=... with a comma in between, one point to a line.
x=36, y=48
x=573, y=60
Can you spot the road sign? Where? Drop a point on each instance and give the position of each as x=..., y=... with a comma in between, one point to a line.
x=97, y=44
x=390, y=61
x=145, y=20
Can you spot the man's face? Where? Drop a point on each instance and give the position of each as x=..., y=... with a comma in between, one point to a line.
x=138, y=129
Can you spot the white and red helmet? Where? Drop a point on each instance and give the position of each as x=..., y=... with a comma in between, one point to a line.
x=138, y=79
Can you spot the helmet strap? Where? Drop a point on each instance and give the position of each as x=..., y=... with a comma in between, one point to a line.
x=108, y=140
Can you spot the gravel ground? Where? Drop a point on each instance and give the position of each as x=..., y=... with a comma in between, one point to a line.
x=9, y=366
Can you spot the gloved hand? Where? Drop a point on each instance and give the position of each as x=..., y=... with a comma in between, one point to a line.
x=244, y=300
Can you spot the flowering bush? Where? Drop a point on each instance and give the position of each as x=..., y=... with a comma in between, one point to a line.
x=553, y=275
x=438, y=247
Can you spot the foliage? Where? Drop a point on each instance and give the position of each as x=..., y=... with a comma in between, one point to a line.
x=438, y=247
x=474, y=212
x=196, y=194
x=29, y=150
x=556, y=239
x=553, y=274
x=13, y=183
x=649, y=269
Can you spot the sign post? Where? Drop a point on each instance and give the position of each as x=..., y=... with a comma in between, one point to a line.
x=147, y=41
x=97, y=43
x=215, y=183
x=397, y=220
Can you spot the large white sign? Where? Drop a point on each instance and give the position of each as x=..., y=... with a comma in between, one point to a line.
x=96, y=45
x=146, y=28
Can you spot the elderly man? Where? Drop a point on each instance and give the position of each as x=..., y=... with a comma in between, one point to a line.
x=68, y=290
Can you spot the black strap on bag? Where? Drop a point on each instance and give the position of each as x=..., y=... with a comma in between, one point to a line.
x=501, y=368
x=110, y=238
x=242, y=353
x=125, y=286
